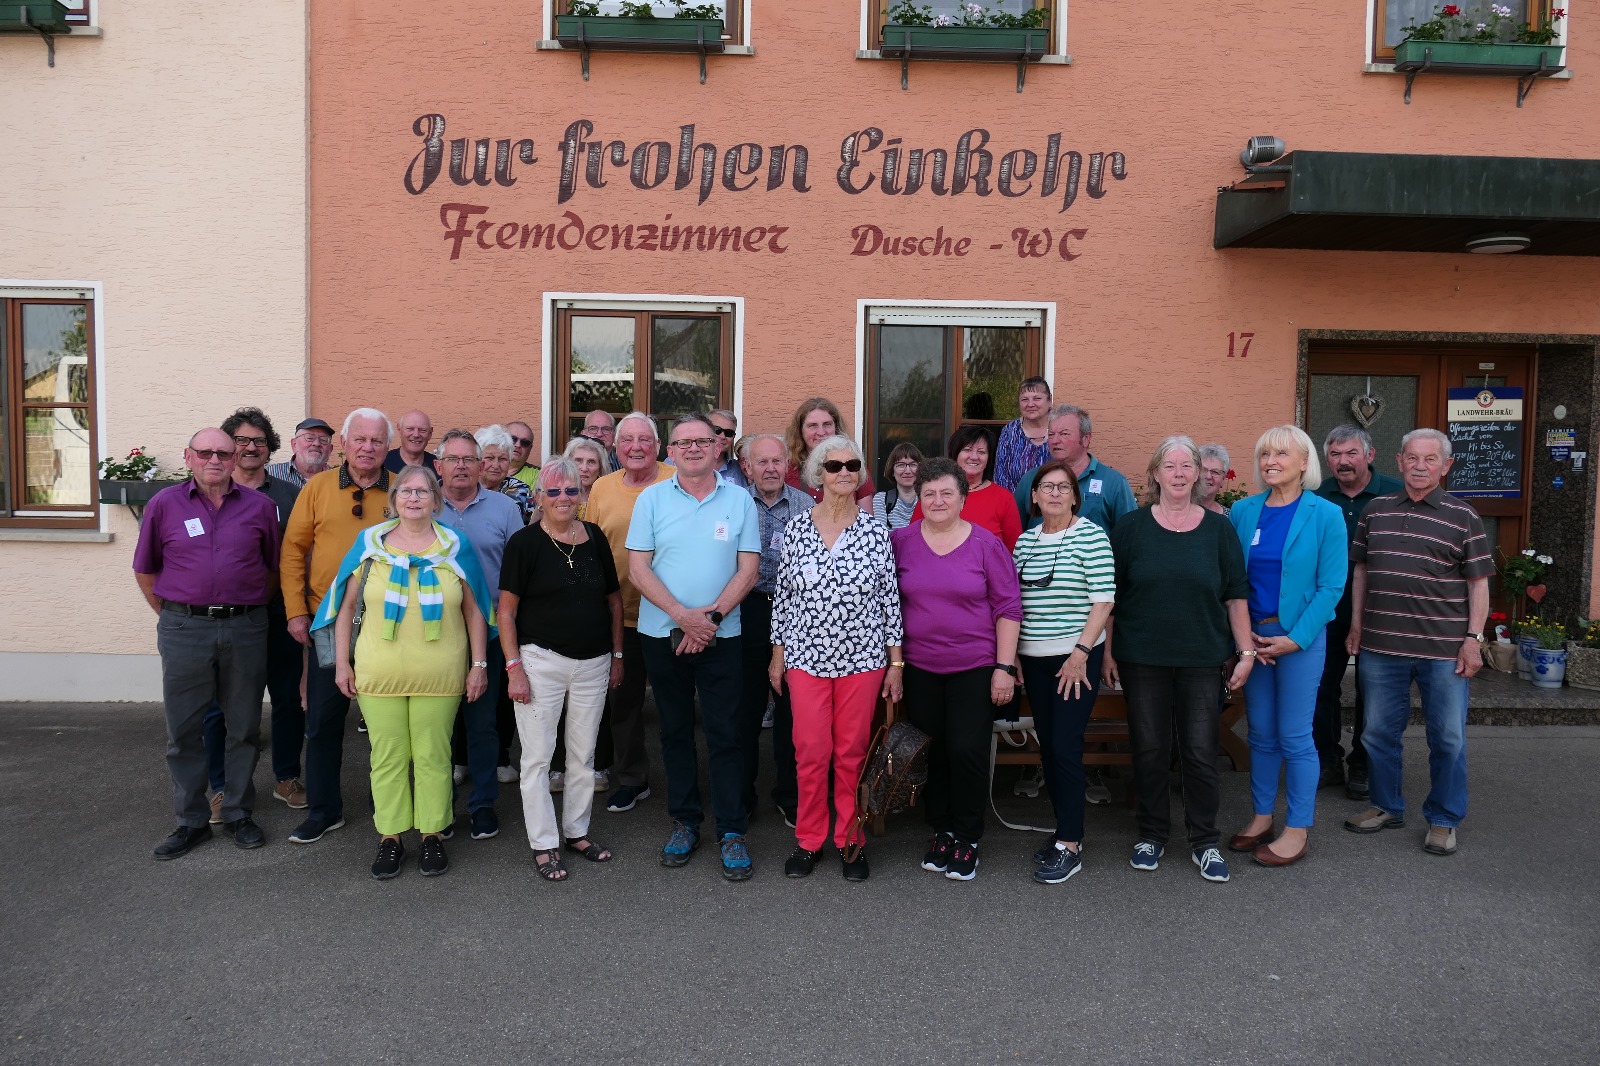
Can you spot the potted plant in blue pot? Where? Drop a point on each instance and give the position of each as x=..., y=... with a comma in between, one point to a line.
x=1550, y=655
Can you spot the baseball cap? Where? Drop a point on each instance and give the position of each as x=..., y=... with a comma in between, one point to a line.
x=313, y=423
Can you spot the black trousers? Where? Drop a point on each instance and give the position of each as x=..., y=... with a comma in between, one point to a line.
x=956, y=712
x=755, y=621
x=1061, y=721
x=1159, y=699
x=1327, y=724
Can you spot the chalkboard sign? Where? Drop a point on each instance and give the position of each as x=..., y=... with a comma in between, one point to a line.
x=1485, y=427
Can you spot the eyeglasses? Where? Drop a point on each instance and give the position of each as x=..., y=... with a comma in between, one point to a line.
x=413, y=494
x=729, y=433
x=313, y=438
x=833, y=466
x=250, y=442
x=459, y=460
x=907, y=464
x=526, y=442
x=568, y=490
x=694, y=442
x=359, y=495
x=209, y=454
x=1055, y=488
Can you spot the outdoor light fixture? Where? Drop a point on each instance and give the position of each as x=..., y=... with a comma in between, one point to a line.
x=1499, y=243
x=1260, y=152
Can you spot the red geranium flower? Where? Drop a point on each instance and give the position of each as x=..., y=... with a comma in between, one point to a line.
x=1231, y=475
x=1558, y=13
x=1450, y=11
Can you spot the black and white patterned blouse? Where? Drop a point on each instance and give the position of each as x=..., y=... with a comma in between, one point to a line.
x=834, y=612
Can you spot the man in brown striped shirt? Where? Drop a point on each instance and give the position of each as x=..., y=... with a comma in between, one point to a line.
x=1419, y=601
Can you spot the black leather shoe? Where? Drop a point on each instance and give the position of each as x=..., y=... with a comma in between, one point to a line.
x=246, y=834
x=181, y=841
x=856, y=869
x=801, y=862
x=1355, y=783
x=1332, y=774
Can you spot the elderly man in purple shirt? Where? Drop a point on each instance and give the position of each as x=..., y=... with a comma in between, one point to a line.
x=207, y=564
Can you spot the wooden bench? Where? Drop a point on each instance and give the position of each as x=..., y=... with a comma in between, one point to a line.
x=1108, y=727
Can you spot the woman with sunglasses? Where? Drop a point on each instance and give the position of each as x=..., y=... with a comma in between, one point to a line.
x=989, y=506
x=1068, y=584
x=836, y=632
x=426, y=617
x=495, y=445
x=561, y=629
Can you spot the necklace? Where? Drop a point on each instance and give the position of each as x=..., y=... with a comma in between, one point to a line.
x=568, y=555
x=1177, y=523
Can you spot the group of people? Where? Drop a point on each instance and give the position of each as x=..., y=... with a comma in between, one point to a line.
x=474, y=604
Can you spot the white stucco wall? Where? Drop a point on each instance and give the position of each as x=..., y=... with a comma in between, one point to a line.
x=165, y=162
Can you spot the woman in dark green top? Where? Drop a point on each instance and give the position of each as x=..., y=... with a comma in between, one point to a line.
x=1182, y=611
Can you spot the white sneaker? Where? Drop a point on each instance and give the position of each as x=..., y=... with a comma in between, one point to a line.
x=1030, y=785
x=558, y=781
x=506, y=774
x=602, y=780
x=458, y=774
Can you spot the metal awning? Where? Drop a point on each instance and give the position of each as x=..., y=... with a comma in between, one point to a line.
x=1372, y=202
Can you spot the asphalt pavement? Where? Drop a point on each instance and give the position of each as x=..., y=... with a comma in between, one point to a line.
x=1369, y=951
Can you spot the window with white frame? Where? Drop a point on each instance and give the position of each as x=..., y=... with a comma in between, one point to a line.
x=733, y=13
x=1391, y=17
x=876, y=14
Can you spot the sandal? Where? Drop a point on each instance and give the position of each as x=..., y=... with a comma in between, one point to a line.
x=589, y=849
x=548, y=863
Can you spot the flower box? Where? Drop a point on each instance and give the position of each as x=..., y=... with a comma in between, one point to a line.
x=131, y=493
x=47, y=15
x=1583, y=666
x=619, y=33
x=1467, y=57
x=965, y=42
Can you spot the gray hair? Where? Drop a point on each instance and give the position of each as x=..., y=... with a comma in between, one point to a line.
x=1347, y=431
x=600, y=411
x=1172, y=443
x=684, y=420
x=461, y=434
x=369, y=414
x=1215, y=451
x=639, y=416
x=412, y=473
x=559, y=468
x=1427, y=434
x=725, y=413
x=749, y=442
x=1066, y=410
x=577, y=444
x=812, y=474
x=495, y=436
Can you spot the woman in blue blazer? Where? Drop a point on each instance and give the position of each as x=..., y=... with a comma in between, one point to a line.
x=1295, y=552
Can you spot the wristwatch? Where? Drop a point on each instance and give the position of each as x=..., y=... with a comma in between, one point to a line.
x=717, y=617
x=616, y=655
x=1012, y=670
x=1477, y=637
x=1248, y=653
x=481, y=666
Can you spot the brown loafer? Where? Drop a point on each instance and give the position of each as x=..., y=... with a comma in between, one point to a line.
x=1372, y=820
x=1264, y=856
x=1441, y=840
x=1250, y=842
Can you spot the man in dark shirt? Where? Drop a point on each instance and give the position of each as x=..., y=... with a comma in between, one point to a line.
x=207, y=563
x=415, y=431
x=1355, y=484
x=1421, y=600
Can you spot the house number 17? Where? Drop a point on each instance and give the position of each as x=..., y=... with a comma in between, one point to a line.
x=1239, y=344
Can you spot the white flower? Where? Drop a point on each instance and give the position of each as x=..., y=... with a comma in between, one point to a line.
x=1546, y=560
x=975, y=9
x=1481, y=26
x=1528, y=552
x=149, y=475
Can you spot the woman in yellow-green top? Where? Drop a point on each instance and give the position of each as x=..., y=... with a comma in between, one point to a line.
x=426, y=611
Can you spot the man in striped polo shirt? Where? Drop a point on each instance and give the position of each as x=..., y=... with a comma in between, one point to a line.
x=1419, y=603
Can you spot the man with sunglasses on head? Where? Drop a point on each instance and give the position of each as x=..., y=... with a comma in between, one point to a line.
x=521, y=452
x=726, y=427
x=694, y=546
x=333, y=509
x=206, y=562
x=310, y=446
x=487, y=520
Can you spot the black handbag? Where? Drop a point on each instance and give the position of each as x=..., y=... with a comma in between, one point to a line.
x=896, y=768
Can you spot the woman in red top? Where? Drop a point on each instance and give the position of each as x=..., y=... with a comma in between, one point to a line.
x=988, y=505
x=814, y=421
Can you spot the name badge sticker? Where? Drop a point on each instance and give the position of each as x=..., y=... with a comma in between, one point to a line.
x=194, y=527
x=808, y=573
x=777, y=541
x=721, y=531
x=1255, y=540
x=1094, y=485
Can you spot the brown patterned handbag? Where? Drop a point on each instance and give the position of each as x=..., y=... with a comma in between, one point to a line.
x=895, y=769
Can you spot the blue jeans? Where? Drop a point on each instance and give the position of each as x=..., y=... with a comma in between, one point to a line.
x=1387, y=682
x=477, y=730
x=1281, y=701
x=717, y=675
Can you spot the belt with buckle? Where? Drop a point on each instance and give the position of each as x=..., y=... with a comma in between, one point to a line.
x=215, y=610
x=1264, y=621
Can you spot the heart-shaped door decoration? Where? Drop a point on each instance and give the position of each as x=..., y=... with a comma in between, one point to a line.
x=1536, y=593
x=1366, y=409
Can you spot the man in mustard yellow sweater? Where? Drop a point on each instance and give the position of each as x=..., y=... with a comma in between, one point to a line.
x=333, y=508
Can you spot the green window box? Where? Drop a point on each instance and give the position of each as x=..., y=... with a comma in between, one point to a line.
x=46, y=15
x=614, y=32
x=965, y=42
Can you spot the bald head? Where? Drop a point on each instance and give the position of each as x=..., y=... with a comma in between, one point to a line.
x=416, y=430
x=214, y=469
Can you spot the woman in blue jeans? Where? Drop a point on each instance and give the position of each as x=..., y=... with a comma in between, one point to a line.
x=1068, y=583
x=1295, y=551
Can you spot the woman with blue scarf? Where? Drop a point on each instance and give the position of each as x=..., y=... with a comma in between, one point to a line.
x=426, y=605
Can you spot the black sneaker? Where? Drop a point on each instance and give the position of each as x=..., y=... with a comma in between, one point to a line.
x=387, y=864
x=312, y=830
x=485, y=823
x=183, y=839
x=788, y=812
x=856, y=869
x=434, y=861
x=963, y=862
x=361, y=723
x=801, y=862
x=937, y=860
x=449, y=831
x=246, y=834
x=1355, y=783
x=1064, y=862
x=627, y=797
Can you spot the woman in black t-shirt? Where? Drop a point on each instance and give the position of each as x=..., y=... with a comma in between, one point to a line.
x=560, y=621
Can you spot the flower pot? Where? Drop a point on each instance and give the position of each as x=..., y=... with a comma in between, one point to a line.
x=618, y=33
x=965, y=42
x=1583, y=666
x=131, y=493
x=1549, y=667
x=47, y=15
x=1468, y=57
x=1501, y=657
x=1525, y=646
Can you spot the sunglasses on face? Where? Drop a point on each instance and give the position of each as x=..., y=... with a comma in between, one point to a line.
x=568, y=490
x=524, y=441
x=729, y=433
x=209, y=454
x=833, y=466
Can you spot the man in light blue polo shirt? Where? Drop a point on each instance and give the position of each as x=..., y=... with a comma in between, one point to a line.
x=694, y=547
x=487, y=520
x=1105, y=493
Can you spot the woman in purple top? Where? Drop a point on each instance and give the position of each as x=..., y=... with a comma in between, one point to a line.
x=1022, y=442
x=963, y=610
